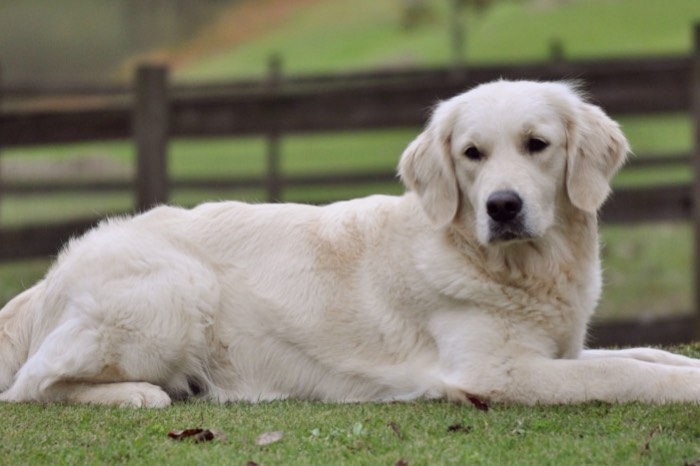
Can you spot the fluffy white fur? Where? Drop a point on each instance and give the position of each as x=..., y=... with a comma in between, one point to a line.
x=381, y=298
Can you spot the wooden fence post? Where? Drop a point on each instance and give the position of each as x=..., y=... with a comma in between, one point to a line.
x=556, y=50
x=695, y=117
x=457, y=33
x=273, y=183
x=150, y=130
x=2, y=92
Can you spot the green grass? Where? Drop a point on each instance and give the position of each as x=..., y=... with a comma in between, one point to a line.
x=658, y=133
x=420, y=433
x=647, y=270
x=365, y=34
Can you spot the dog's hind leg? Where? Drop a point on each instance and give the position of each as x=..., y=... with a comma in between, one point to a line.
x=123, y=394
x=71, y=365
x=15, y=329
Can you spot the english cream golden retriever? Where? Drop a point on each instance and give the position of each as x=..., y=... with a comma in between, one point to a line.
x=478, y=282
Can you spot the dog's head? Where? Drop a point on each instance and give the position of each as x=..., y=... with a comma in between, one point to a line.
x=505, y=156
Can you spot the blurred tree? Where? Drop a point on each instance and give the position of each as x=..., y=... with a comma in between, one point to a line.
x=48, y=40
x=457, y=30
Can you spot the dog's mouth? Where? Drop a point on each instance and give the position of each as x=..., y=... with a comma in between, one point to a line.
x=514, y=230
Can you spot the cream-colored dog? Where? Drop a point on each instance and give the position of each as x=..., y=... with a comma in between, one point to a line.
x=478, y=282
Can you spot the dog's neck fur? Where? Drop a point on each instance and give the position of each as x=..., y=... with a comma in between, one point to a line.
x=566, y=248
x=559, y=271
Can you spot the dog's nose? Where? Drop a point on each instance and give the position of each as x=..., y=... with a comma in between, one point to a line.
x=504, y=206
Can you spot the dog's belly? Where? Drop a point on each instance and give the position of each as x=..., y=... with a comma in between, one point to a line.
x=267, y=351
x=266, y=369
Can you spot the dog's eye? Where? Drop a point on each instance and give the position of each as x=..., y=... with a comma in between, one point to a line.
x=535, y=145
x=472, y=153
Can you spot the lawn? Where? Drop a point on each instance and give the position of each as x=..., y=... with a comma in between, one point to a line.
x=417, y=433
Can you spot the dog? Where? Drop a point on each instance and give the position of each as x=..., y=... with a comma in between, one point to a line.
x=477, y=283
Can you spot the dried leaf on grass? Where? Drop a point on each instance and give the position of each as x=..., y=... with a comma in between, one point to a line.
x=478, y=403
x=196, y=435
x=269, y=437
x=401, y=462
x=647, y=441
x=395, y=427
x=459, y=428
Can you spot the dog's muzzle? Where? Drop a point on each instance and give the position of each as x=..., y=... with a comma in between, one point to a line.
x=506, y=218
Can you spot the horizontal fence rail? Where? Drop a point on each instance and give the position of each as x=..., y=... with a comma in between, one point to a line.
x=627, y=87
x=18, y=188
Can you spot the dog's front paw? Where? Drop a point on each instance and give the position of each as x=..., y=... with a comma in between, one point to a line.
x=144, y=395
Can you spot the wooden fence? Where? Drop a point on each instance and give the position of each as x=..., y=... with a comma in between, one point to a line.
x=152, y=112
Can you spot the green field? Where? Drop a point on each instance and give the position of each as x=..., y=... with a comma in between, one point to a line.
x=333, y=36
x=367, y=34
x=648, y=268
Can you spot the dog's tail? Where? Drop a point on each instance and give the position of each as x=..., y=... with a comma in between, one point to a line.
x=15, y=335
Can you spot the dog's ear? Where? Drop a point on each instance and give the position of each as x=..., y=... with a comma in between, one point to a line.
x=427, y=169
x=596, y=150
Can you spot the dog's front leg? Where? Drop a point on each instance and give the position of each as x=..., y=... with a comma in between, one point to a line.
x=608, y=379
x=643, y=354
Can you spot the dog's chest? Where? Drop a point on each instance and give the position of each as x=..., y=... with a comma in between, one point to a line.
x=554, y=306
